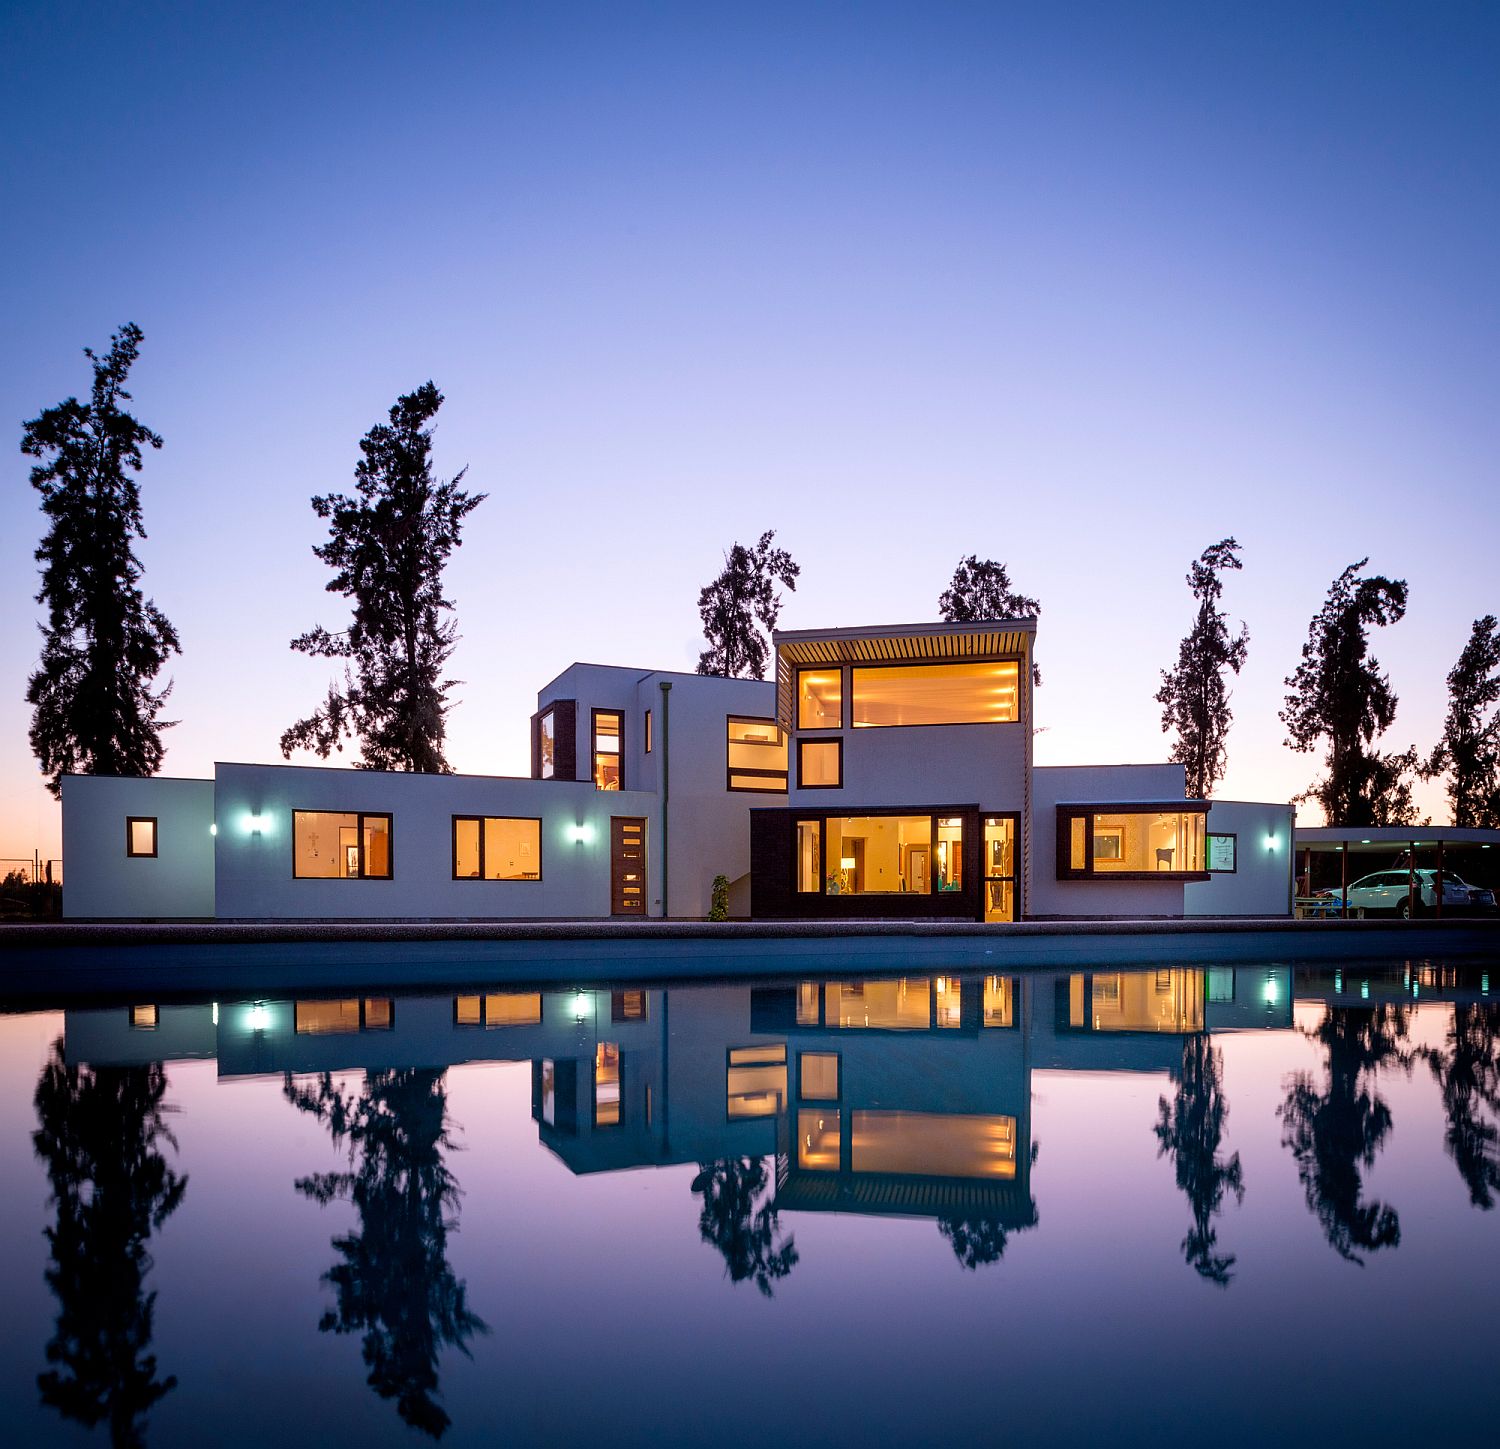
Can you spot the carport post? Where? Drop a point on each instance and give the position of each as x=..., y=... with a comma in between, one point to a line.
x=1411, y=881
x=1439, y=888
x=1344, y=880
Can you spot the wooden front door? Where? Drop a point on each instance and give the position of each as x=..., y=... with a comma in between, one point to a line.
x=627, y=865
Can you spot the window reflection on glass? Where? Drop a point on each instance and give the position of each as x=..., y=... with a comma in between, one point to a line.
x=879, y=855
x=809, y=1008
x=933, y=1144
x=627, y=1006
x=608, y=725
x=513, y=1008
x=818, y=1139
x=935, y=694
x=948, y=1001
x=323, y=1018
x=1170, y=1000
x=607, y=1097
x=809, y=855
x=548, y=1092
x=379, y=1013
x=820, y=699
x=546, y=745
x=144, y=1018
x=999, y=1001
x=901, y=1005
x=468, y=1011
x=756, y=1080
x=818, y=1076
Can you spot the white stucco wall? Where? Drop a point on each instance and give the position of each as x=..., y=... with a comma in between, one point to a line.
x=255, y=865
x=1261, y=883
x=100, y=882
x=1053, y=785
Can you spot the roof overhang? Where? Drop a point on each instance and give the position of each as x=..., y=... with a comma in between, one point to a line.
x=895, y=644
x=1382, y=839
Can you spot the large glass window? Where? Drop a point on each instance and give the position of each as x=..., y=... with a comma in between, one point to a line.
x=325, y=1018
x=756, y=754
x=498, y=1008
x=820, y=764
x=331, y=845
x=948, y=870
x=933, y=1144
x=1132, y=843
x=820, y=699
x=818, y=1139
x=609, y=725
x=1000, y=868
x=935, y=694
x=809, y=856
x=879, y=855
x=496, y=847
x=904, y=1004
x=546, y=734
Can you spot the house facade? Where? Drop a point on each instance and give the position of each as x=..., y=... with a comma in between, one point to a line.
x=884, y=773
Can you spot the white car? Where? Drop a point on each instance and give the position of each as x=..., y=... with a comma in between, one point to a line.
x=1388, y=892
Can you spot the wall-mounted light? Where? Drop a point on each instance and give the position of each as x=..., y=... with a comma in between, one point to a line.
x=214, y=828
x=255, y=822
x=258, y=1018
x=1271, y=991
x=1270, y=842
x=580, y=834
x=581, y=1004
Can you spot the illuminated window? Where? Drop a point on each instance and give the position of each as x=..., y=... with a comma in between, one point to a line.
x=818, y=1139
x=1131, y=842
x=325, y=1018
x=609, y=725
x=1000, y=868
x=820, y=764
x=144, y=1018
x=1169, y=1001
x=331, y=846
x=879, y=855
x=810, y=856
x=140, y=835
x=935, y=694
x=809, y=1003
x=379, y=1013
x=756, y=754
x=627, y=1006
x=947, y=1002
x=904, y=1004
x=608, y=1098
x=497, y=847
x=933, y=1144
x=999, y=1001
x=756, y=1080
x=546, y=736
x=498, y=1008
x=820, y=699
x=818, y=1076
x=948, y=871
x=468, y=1011
x=646, y=731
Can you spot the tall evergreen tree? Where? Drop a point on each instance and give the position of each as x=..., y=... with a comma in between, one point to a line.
x=388, y=548
x=980, y=589
x=94, y=711
x=739, y=1218
x=1469, y=751
x=1339, y=693
x=1193, y=696
x=739, y=603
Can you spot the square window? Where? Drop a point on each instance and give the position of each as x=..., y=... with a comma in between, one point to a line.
x=140, y=835
x=820, y=764
x=818, y=1076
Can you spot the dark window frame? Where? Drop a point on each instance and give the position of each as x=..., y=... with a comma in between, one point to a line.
x=838, y=1056
x=595, y=751
x=729, y=1065
x=797, y=696
x=1066, y=814
x=364, y=1010
x=1014, y=816
x=646, y=731
x=497, y=880
x=360, y=816
x=153, y=1025
x=130, y=852
x=730, y=772
x=1021, y=676
x=1209, y=835
x=544, y=718
x=821, y=739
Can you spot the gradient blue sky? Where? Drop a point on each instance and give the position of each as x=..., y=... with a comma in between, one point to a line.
x=1082, y=288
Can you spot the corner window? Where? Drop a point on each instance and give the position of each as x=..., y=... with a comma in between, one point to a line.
x=755, y=753
x=1132, y=842
x=546, y=745
x=820, y=764
x=331, y=845
x=1221, y=854
x=935, y=694
x=820, y=699
x=609, y=726
x=497, y=847
x=140, y=835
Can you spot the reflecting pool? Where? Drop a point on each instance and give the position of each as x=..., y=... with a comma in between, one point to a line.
x=1225, y=1205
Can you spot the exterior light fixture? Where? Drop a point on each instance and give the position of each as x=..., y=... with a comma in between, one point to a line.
x=1270, y=842
x=1364, y=842
x=581, y=1004
x=214, y=828
x=1272, y=991
x=258, y=1018
x=253, y=823
x=580, y=834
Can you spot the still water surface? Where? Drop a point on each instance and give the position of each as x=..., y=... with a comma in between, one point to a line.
x=1223, y=1205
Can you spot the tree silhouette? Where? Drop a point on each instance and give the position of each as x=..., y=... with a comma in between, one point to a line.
x=1469, y=751
x=100, y=1132
x=388, y=548
x=979, y=590
x=975, y=1240
x=1335, y=1132
x=93, y=709
x=1193, y=696
x=393, y=1283
x=1339, y=693
x=1469, y=1078
x=1189, y=1130
x=741, y=1225
x=741, y=601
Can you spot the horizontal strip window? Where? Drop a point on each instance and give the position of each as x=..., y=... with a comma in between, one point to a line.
x=335, y=1018
x=820, y=764
x=935, y=694
x=1164, y=840
x=334, y=845
x=497, y=847
x=498, y=1008
x=755, y=754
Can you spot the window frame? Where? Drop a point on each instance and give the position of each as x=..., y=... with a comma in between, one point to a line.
x=595, y=751
x=821, y=739
x=1021, y=677
x=729, y=1065
x=646, y=731
x=546, y=722
x=360, y=816
x=730, y=771
x=1074, y=810
x=130, y=852
x=797, y=696
x=498, y=880
x=1209, y=835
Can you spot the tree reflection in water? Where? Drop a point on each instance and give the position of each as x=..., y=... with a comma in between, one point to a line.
x=99, y=1131
x=1189, y=1130
x=740, y=1220
x=1469, y=1078
x=1334, y=1133
x=394, y=1283
x=975, y=1240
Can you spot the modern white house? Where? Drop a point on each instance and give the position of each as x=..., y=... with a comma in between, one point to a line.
x=886, y=772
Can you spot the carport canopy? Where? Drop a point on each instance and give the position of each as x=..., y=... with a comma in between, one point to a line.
x=1394, y=846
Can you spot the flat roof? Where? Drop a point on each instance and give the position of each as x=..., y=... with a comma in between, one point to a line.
x=1381, y=839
